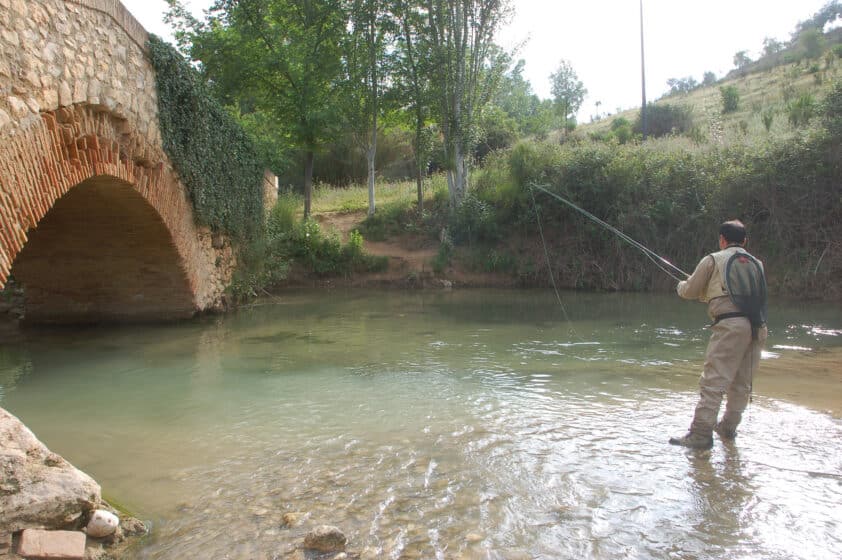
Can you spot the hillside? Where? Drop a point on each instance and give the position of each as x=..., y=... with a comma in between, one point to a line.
x=763, y=90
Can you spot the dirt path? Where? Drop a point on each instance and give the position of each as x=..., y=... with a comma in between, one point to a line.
x=410, y=257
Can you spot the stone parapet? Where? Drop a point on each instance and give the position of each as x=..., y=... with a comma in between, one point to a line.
x=121, y=16
x=58, y=53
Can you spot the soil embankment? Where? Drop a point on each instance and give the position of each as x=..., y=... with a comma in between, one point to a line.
x=410, y=261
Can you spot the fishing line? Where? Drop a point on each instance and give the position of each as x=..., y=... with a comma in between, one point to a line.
x=547, y=257
x=659, y=261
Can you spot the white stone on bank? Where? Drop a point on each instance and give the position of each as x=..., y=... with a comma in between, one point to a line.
x=102, y=524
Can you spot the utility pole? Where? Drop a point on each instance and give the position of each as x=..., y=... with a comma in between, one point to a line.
x=642, y=76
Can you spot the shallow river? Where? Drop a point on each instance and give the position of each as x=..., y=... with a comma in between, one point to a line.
x=464, y=424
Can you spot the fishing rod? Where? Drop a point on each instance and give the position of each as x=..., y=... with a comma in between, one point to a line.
x=659, y=261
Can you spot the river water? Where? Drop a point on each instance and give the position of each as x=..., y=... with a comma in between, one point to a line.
x=464, y=424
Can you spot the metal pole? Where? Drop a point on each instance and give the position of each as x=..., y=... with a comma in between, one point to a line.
x=642, y=76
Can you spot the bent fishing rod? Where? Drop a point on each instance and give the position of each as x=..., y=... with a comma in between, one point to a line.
x=659, y=261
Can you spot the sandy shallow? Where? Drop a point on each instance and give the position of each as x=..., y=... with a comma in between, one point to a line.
x=811, y=378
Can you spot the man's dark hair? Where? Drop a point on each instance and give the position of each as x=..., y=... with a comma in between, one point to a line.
x=733, y=231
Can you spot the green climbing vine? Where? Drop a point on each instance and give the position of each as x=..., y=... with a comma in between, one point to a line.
x=211, y=152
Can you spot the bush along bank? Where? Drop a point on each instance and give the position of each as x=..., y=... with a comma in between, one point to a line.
x=671, y=194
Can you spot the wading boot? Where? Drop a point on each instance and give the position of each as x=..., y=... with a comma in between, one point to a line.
x=693, y=440
x=725, y=431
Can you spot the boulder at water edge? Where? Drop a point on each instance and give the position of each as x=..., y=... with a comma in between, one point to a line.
x=37, y=487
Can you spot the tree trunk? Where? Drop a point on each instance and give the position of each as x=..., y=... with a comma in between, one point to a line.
x=308, y=182
x=370, y=156
x=459, y=174
x=419, y=182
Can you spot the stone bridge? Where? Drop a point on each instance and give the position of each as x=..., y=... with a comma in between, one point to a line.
x=94, y=222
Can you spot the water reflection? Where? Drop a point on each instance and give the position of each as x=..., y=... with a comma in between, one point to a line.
x=430, y=426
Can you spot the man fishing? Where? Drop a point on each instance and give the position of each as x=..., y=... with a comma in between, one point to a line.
x=733, y=284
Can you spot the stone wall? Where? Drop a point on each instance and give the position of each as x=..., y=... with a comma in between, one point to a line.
x=78, y=101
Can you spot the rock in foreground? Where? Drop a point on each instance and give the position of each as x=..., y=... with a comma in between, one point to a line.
x=325, y=538
x=37, y=487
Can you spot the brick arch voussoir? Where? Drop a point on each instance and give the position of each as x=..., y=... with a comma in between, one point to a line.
x=67, y=147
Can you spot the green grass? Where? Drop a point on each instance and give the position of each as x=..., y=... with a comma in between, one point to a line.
x=355, y=197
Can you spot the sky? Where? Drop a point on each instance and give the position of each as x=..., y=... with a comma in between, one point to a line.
x=601, y=40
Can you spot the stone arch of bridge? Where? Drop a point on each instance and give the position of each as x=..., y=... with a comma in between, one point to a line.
x=92, y=228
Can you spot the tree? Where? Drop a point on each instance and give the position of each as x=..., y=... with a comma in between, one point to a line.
x=682, y=85
x=465, y=71
x=812, y=41
x=515, y=96
x=412, y=79
x=741, y=59
x=829, y=13
x=771, y=46
x=367, y=67
x=708, y=79
x=278, y=58
x=568, y=91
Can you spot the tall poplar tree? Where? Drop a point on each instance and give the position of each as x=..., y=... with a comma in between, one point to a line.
x=465, y=70
x=412, y=76
x=368, y=65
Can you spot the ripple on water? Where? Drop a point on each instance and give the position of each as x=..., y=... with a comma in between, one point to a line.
x=462, y=442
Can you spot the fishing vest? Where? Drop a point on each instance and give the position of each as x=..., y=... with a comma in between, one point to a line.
x=716, y=286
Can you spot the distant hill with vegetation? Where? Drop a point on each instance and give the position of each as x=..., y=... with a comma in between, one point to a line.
x=774, y=94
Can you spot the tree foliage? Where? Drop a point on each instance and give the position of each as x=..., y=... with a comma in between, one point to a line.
x=683, y=85
x=812, y=42
x=280, y=57
x=771, y=46
x=741, y=60
x=568, y=91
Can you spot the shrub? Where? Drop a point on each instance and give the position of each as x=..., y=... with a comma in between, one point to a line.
x=730, y=98
x=444, y=254
x=832, y=111
x=621, y=129
x=282, y=216
x=497, y=130
x=390, y=219
x=474, y=220
x=664, y=119
x=494, y=183
x=767, y=116
x=837, y=50
x=801, y=110
x=534, y=162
